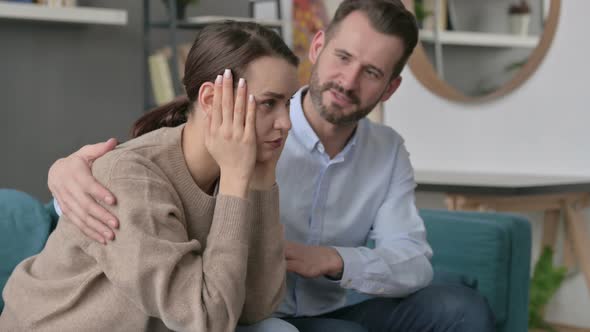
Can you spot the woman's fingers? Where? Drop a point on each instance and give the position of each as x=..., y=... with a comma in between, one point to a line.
x=250, y=126
x=227, y=102
x=216, y=111
x=239, y=109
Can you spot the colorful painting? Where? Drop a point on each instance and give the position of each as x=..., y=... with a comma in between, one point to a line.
x=309, y=16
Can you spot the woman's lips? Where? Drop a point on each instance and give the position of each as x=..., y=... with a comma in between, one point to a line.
x=277, y=143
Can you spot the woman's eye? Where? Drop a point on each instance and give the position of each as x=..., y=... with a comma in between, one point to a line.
x=268, y=103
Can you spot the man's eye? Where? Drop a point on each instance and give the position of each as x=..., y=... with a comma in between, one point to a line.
x=372, y=73
x=342, y=57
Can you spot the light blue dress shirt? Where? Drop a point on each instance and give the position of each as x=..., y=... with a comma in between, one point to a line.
x=364, y=193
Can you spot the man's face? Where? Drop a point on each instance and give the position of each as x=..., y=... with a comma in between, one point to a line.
x=352, y=72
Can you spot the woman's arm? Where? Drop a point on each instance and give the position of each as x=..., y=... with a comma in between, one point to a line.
x=154, y=264
x=265, y=282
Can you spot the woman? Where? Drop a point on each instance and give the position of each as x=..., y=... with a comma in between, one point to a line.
x=199, y=245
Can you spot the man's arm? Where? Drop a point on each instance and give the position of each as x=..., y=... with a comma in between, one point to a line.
x=400, y=262
x=77, y=192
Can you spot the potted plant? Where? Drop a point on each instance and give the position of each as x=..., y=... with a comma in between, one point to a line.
x=544, y=283
x=420, y=12
x=520, y=16
x=180, y=7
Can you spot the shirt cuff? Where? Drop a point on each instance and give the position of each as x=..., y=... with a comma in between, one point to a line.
x=57, y=207
x=352, y=267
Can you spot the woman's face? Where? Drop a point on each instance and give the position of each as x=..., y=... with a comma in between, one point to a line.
x=272, y=81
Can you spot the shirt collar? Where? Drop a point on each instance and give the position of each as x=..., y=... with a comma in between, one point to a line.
x=305, y=133
x=300, y=127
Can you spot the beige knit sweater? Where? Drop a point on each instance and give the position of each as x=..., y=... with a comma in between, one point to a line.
x=182, y=260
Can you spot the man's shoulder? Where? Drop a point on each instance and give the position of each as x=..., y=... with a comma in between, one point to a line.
x=141, y=157
x=381, y=135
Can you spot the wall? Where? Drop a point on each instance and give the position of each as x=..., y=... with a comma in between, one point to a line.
x=541, y=128
x=63, y=86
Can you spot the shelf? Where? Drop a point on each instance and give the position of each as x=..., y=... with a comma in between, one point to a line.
x=81, y=15
x=201, y=21
x=480, y=39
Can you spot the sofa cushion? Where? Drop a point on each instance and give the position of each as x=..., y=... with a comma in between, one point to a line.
x=25, y=225
x=477, y=246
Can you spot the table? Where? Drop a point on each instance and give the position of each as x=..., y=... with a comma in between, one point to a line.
x=558, y=197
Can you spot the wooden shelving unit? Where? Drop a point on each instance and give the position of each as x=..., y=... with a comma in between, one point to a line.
x=77, y=15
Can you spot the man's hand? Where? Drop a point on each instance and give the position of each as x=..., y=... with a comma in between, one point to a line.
x=71, y=182
x=313, y=261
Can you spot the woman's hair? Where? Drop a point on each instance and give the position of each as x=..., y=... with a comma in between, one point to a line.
x=230, y=44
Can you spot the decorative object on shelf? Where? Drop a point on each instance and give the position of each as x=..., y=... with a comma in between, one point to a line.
x=421, y=12
x=180, y=7
x=433, y=18
x=520, y=17
x=544, y=283
x=468, y=64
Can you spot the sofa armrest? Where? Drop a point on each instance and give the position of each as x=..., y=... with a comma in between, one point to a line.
x=494, y=249
x=25, y=225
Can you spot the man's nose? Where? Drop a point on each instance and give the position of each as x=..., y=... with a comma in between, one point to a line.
x=349, y=78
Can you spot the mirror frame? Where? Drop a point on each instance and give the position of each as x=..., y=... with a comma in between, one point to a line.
x=426, y=74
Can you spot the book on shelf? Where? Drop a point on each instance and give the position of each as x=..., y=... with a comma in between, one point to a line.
x=160, y=72
x=161, y=78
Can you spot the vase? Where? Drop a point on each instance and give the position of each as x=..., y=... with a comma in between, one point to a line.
x=519, y=24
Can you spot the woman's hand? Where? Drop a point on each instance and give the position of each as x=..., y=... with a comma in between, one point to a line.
x=71, y=182
x=230, y=135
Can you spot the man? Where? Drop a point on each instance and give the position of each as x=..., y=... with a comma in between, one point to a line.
x=343, y=181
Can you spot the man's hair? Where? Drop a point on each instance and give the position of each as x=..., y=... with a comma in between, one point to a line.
x=389, y=17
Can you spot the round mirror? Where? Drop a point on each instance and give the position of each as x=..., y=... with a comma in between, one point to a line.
x=478, y=50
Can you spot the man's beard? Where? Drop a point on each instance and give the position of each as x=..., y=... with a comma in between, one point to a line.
x=333, y=113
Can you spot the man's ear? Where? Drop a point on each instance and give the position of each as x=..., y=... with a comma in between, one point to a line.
x=317, y=44
x=206, y=92
x=391, y=88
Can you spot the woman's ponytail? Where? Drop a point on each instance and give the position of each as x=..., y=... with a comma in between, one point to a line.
x=172, y=114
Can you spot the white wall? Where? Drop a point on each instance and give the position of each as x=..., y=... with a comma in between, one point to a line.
x=541, y=128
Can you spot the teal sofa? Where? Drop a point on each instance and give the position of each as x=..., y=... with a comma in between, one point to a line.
x=486, y=251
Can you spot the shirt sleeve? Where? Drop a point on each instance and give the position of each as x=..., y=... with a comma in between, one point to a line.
x=266, y=279
x=400, y=262
x=167, y=275
x=57, y=207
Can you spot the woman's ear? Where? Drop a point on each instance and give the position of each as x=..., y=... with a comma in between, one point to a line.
x=206, y=92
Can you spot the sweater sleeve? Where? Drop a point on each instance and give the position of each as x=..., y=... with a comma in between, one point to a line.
x=154, y=264
x=265, y=281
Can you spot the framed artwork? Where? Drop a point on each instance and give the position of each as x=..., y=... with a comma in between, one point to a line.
x=309, y=16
